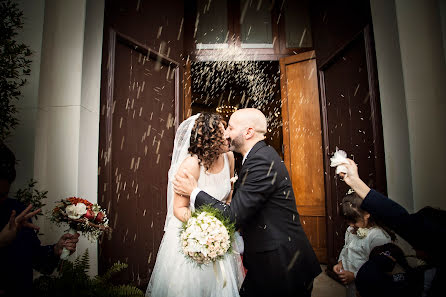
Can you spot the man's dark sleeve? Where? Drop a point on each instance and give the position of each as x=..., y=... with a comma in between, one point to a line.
x=417, y=230
x=256, y=184
x=385, y=210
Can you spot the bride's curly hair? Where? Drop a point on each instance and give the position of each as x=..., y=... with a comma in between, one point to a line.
x=206, y=138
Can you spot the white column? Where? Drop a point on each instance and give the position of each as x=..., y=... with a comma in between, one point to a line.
x=393, y=103
x=23, y=138
x=424, y=73
x=89, y=112
x=68, y=119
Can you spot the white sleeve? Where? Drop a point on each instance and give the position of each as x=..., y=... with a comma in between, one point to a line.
x=343, y=253
x=193, y=196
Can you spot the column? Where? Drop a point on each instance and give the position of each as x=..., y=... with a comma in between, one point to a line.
x=424, y=72
x=67, y=129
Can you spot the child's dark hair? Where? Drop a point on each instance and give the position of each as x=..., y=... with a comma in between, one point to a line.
x=352, y=213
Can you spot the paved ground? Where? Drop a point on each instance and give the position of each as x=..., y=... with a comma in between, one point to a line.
x=325, y=286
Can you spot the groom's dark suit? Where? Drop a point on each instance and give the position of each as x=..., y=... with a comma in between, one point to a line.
x=278, y=255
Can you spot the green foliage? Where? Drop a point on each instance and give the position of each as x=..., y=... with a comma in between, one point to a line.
x=14, y=65
x=30, y=195
x=230, y=226
x=73, y=280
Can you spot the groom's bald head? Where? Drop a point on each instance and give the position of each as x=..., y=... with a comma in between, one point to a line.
x=251, y=118
x=246, y=127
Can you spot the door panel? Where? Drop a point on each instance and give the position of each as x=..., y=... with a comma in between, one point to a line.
x=350, y=102
x=303, y=145
x=139, y=122
x=140, y=93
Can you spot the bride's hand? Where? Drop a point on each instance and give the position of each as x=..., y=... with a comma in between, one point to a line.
x=184, y=184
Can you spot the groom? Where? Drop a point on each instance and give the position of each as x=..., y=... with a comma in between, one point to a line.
x=278, y=256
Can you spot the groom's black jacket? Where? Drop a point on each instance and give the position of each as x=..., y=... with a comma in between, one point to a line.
x=264, y=207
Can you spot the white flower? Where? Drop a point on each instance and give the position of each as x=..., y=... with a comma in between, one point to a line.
x=339, y=158
x=76, y=211
x=234, y=179
x=362, y=232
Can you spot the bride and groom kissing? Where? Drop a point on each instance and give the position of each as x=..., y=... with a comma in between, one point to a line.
x=277, y=254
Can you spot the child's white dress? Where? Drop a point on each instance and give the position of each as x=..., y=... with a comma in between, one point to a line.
x=356, y=251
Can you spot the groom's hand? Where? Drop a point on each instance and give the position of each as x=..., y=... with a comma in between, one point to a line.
x=184, y=184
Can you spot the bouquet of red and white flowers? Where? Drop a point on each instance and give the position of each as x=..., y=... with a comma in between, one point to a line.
x=81, y=216
x=207, y=236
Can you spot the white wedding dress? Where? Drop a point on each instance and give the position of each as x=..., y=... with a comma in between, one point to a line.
x=174, y=275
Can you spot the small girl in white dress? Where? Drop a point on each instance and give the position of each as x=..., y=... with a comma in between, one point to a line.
x=361, y=237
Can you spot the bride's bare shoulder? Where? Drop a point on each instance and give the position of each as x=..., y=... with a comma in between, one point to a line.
x=192, y=165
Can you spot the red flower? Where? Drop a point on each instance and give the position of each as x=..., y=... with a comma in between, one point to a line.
x=89, y=215
x=99, y=217
x=75, y=200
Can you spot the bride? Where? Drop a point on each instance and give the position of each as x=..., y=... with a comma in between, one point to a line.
x=200, y=148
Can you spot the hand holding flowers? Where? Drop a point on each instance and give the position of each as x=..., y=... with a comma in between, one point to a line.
x=81, y=216
x=348, y=170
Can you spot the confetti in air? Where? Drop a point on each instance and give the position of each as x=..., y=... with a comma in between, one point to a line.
x=230, y=76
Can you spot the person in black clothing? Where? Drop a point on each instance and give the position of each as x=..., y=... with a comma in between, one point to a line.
x=20, y=248
x=387, y=274
x=278, y=256
x=424, y=230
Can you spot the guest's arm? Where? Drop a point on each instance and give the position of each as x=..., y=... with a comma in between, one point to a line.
x=411, y=227
x=46, y=257
x=379, y=206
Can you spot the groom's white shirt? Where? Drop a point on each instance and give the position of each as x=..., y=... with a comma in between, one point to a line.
x=197, y=190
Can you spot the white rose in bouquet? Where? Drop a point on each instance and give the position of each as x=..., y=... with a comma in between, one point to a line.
x=74, y=212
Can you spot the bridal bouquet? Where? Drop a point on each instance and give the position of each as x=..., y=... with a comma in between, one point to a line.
x=206, y=237
x=81, y=216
